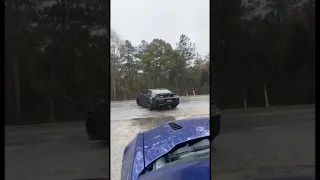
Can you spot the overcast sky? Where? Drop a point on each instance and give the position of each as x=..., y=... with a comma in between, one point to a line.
x=137, y=20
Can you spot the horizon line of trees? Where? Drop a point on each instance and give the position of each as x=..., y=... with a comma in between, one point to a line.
x=157, y=64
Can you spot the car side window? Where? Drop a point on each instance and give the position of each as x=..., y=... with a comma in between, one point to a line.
x=145, y=92
x=149, y=92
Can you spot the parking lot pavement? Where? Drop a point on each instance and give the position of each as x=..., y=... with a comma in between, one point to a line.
x=265, y=145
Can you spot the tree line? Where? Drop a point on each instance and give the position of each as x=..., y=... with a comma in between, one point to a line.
x=56, y=59
x=262, y=52
x=58, y=63
x=157, y=65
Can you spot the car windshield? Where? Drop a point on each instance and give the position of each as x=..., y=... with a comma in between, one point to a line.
x=194, y=150
x=161, y=91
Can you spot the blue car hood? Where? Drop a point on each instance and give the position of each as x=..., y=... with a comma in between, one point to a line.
x=154, y=143
x=162, y=139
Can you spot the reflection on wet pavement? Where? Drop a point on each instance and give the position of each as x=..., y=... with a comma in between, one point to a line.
x=128, y=120
x=148, y=123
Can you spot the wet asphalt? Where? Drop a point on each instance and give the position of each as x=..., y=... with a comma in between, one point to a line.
x=62, y=151
x=251, y=142
x=127, y=119
x=53, y=152
x=265, y=144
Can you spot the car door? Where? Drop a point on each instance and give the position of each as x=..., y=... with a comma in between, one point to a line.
x=143, y=97
x=147, y=96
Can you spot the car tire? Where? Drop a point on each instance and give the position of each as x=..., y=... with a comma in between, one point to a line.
x=138, y=102
x=90, y=127
x=149, y=106
x=174, y=106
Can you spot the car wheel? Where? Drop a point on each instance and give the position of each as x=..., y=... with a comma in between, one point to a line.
x=138, y=102
x=91, y=131
x=150, y=106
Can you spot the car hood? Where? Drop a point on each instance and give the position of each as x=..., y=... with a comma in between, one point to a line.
x=163, y=138
x=198, y=170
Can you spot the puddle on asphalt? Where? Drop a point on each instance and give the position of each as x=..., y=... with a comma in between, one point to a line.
x=150, y=122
